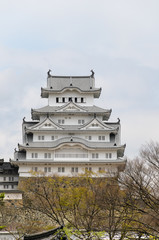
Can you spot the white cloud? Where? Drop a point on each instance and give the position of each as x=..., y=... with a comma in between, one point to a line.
x=119, y=39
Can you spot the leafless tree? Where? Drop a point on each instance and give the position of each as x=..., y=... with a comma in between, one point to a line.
x=140, y=183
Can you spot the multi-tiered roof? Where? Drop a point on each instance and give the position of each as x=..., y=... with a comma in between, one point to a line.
x=70, y=134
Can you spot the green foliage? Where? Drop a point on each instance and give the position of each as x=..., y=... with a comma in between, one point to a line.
x=2, y=227
x=2, y=195
x=90, y=206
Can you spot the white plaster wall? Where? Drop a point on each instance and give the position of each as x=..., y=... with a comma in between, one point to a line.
x=7, y=178
x=71, y=120
x=83, y=135
x=47, y=137
x=40, y=155
x=101, y=155
x=9, y=187
x=95, y=137
x=42, y=117
x=10, y=196
x=71, y=150
x=81, y=169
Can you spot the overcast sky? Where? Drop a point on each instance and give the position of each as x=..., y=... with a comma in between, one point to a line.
x=119, y=39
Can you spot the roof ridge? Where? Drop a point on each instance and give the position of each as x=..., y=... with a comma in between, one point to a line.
x=56, y=76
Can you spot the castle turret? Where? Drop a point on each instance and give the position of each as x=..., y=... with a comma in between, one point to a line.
x=70, y=135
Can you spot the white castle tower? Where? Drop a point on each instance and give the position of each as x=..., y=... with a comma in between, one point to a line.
x=70, y=135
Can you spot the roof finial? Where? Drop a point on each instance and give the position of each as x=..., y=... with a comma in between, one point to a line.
x=48, y=73
x=92, y=75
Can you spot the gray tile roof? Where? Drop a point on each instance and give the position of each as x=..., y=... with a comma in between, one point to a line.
x=77, y=127
x=8, y=168
x=39, y=123
x=119, y=160
x=82, y=82
x=46, y=91
x=71, y=139
x=55, y=109
x=71, y=129
x=100, y=123
x=74, y=127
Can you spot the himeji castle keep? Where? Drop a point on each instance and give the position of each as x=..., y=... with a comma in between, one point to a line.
x=70, y=135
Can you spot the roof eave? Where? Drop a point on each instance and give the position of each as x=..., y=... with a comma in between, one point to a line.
x=45, y=91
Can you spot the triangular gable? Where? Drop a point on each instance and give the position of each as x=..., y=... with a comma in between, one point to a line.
x=96, y=124
x=71, y=107
x=45, y=125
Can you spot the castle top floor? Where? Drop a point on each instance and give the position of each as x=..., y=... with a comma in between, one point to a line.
x=62, y=89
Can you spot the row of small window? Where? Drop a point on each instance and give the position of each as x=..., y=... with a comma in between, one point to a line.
x=40, y=138
x=73, y=169
x=100, y=138
x=80, y=121
x=70, y=99
x=46, y=169
x=8, y=186
x=8, y=179
x=46, y=155
x=62, y=169
x=62, y=121
x=94, y=155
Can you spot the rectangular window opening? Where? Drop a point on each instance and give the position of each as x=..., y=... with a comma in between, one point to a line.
x=35, y=169
x=34, y=155
x=95, y=155
x=89, y=137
